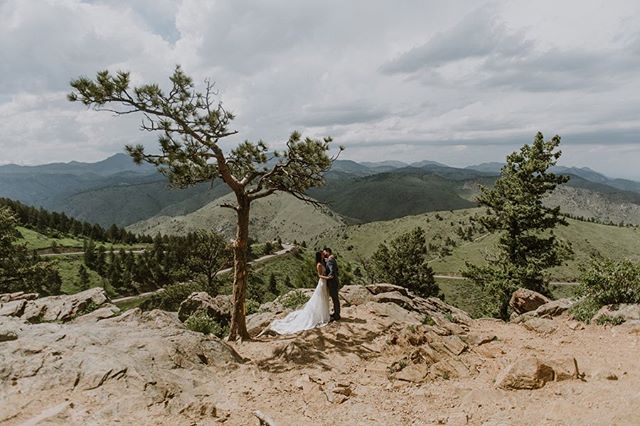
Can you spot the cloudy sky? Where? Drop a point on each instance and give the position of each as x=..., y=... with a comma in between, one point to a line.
x=460, y=82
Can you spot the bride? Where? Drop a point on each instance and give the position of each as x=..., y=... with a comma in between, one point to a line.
x=315, y=312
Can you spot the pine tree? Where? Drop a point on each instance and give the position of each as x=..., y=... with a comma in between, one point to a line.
x=527, y=245
x=403, y=262
x=191, y=127
x=83, y=278
x=273, y=284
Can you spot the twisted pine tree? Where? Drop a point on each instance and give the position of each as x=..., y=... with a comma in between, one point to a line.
x=191, y=124
x=527, y=245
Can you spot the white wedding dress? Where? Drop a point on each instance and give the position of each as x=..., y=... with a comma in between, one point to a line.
x=315, y=313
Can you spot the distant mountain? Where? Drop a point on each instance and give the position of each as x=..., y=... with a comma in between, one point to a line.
x=117, y=163
x=427, y=163
x=390, y=195
x=493, y=167
x=280, y=215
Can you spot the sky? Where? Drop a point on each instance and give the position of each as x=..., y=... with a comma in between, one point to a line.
x=459, y=82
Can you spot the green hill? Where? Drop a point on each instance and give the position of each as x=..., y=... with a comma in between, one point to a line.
x=280, y=215
x=390, y=195
x=441, y=228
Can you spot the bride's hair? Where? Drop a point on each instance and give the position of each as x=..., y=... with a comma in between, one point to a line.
x=318, y=257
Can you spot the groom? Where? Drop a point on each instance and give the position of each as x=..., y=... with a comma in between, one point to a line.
x=333, y=281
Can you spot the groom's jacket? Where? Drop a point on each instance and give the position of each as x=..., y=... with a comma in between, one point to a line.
x=332, y=270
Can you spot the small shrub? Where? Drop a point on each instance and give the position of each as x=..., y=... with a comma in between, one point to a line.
x=609, y=319
x=203, y=323
x=293, y=299
x=584, y=310
x=252, y=306
x=427, y=320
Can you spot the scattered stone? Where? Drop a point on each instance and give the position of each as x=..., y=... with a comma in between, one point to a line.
x=7, y=335
x=525, y=373
x=524, y=300
x=605, y=375
x=540, y=325
x=219, y=307
x=415, y=373
x=565, y=369
x=478, y=339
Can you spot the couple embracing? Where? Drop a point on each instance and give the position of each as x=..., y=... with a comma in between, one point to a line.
x=316, y=312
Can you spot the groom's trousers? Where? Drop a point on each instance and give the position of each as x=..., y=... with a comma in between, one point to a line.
x=333, y=292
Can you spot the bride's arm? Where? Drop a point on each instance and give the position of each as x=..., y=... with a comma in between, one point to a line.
x=320, y=270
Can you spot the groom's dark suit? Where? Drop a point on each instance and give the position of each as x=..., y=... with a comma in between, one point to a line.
x=333, y=284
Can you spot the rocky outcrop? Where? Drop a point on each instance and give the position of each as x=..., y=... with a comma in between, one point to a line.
x=20, y=295
x=625, y=311
x=524, y=300
x=53, y=308
x=142, y=367
x=219, y=307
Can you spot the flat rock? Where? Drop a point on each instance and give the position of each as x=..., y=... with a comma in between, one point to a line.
x=554, y=308
x=19, y=295
x=13, y=308
x=386, y=288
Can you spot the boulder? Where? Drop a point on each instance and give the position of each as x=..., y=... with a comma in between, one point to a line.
x=355, y=295
x=524, y=300
x=64, y=307
x=628, y=312
x=256, y=323
x=386, y=288
x=107, y=310
x=219, y=307
x=554, y=308
x=525, y=373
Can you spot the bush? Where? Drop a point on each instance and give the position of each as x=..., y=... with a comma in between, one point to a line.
x=203, y=323
x=293, y=299
x=584, y=310
x=252, y=306
x=608, y=282
x=608, y=319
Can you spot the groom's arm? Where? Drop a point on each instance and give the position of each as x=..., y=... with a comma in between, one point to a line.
x=331, y=268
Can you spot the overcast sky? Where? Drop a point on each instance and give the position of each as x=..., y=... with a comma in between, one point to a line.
x=460, y=82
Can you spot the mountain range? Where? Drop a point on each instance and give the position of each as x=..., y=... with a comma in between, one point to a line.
x=117, y=191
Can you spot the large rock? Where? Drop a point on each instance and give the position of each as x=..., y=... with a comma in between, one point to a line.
x=533, y=373
x=355, y=295
x=146, y=368
x=19, y=295
x=554, y=308
x=219, y=307
x=628, y=312
x=524, y=300
x=525, y=373
x=13, y=308
x=64, y=307
x=540, y=325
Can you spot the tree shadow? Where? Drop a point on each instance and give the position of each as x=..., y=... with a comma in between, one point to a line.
x=314, y=347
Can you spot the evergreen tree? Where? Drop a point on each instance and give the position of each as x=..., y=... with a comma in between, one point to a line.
x=209, y=254
x=273, y=284
x=21, y=270
x=403, y=262
x=515, y=209
x=191, y=127
x=83, y=278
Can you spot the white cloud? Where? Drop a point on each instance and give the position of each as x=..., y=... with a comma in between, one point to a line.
x=406, y=80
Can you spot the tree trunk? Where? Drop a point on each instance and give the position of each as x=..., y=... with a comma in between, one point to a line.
x=238, y=327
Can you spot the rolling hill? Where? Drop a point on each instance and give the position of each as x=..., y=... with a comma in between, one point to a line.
x=587, y=239
x=280, y=215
